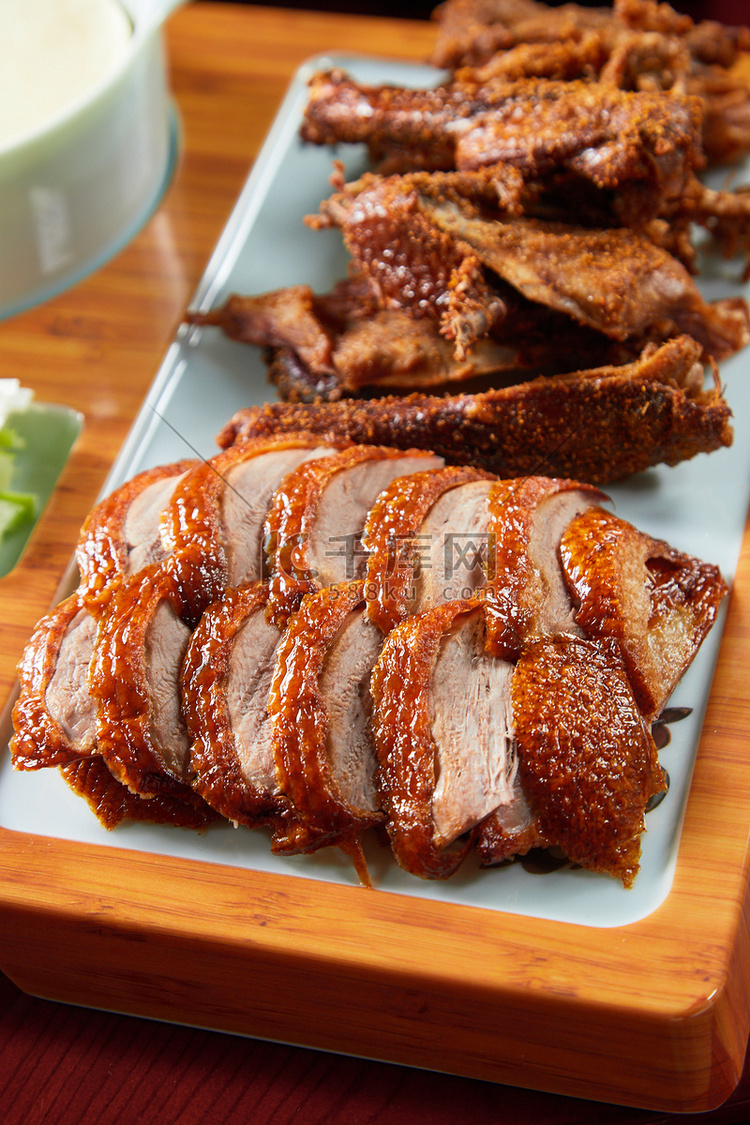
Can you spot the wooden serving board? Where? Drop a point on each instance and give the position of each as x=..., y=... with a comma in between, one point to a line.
x=651, y=1013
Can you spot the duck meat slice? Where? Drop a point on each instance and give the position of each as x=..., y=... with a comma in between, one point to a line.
x=656, y=602
x=225, y=682
x=527, y=595
x=212, y=529
x=598, y=426
x=443, y=734
x=121, y=534
x=55, y=724
x=135, y=679
x=587, y=760
x=424, y=531
x=321, y=709
x=54, y=717
x=317, y=516
x=511, y=830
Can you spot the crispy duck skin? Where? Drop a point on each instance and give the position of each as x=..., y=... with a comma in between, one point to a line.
x=473, y=31
x=657, y=603
x=470, y=32
x=405, y=744
x=322, y=767
x=121, y=533
x=410, y=262
x=526, y=595
x=133, y=678
x=596, y=426
x=112, y=802
x=635, y=45
x=211, y=528
x=641, y=291
x=244, y=797
x=392, y=539
x=587, y=758
x=55, y=725
x=611, y=138
x=42, y=735
x=396, y=228
x=307, y=548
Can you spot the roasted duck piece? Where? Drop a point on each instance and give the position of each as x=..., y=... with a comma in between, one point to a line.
x=134, y=677
x=55, y=713
x=596, y=426
x=526, y=595
x=213, y=526
x=388, y=349
x=261, y=713
x=417, y=234
x=122, y=532
x=457, y=293
x=634, y=45
x=471, y=32
x=392, y=350
x=437, y=794
x=316, y=518
x=55, y=721
x=225, y=680
x=631, y=177
x=588, y=761
x=643, y=145
x=657, y=603
x=434, y=787
x=426, y=537
x=320, y=709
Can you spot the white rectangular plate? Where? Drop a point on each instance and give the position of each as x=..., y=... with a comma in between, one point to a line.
x=699, y=506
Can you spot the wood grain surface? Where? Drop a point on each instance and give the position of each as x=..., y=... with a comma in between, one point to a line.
x=590, y=1013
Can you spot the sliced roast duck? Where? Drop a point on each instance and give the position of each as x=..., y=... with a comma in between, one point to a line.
x=322, y=640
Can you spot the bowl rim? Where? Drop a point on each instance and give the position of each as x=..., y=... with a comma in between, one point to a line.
x=142, y=31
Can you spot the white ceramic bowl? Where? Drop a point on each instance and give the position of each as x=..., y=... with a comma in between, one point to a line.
x=74, y=190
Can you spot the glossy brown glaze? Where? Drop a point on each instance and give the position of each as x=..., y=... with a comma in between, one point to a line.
x=588, y=760
x=499, y=841
x=391, y=538
x=103, y=550
x=40, y=739
x=405, y=745
x=120, y=682
x=524, y=559
x=216, y=771
x=291, y=524
x=307, y=770
x=112, y=802
x=658, y=603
